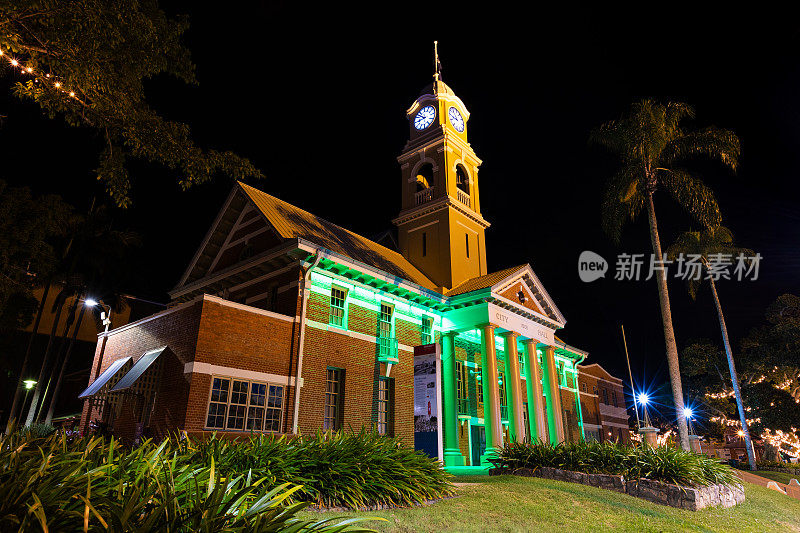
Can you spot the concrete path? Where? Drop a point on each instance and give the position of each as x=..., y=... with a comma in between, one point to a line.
x=792, y=489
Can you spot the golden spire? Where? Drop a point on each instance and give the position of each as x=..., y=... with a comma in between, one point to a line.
x=437, y=65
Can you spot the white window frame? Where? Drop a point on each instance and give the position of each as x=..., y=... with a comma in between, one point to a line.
x=391, y=319
x=430, y=336
x=266, y=408
x=344, y=307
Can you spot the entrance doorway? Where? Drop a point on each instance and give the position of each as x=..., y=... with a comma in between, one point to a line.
x=478, y=444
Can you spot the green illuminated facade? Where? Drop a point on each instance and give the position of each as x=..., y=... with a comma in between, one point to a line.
x=328, y=321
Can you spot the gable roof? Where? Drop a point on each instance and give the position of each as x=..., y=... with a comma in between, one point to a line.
x=497, y=281
x=483, y=282
x=598, y=371
x=291, y=222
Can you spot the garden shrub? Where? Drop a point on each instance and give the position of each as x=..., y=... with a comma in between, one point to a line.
x=670, y=465
x=353, y=470
x=58, y=483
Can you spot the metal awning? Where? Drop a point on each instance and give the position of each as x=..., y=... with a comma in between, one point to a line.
x=103, y=378
x=139, y=368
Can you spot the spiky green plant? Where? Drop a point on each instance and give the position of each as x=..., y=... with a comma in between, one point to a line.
x=52, y=484
x=670, y=465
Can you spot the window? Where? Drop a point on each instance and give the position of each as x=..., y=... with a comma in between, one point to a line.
x=274, y=408
x=385, y=321
x=521, y=364
x=605, y=396
x=502, y=377
x=385, y=406
x=338, y=297
x=461, y=387
x=424, y=244
x=242, y=405
x=218, y=406
x=466, y=238
x=427, y=330
x=238, y=406
x=614, y=398
x=583, y=387
x=462, y=181
x=255, y=413
x=594, y=390
x=461, y=380
x=333, y=399
x=479, y=388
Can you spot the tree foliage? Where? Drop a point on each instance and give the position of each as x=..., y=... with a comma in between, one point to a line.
x=104, y=51
x=705, y=243
x=653, y=148
x=768, y=366
x=30, y=228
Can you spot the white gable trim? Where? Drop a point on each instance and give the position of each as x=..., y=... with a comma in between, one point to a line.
x=207, y=238
x=520, y=275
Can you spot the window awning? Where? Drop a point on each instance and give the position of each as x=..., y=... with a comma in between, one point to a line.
x=139, y=368
x=103, y=378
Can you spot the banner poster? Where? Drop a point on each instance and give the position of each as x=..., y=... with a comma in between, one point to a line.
x=428, y=400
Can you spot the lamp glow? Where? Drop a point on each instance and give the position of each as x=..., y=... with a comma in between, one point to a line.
x=687, y=412
x=91, y=302
x=643, y=398
x=29, y=384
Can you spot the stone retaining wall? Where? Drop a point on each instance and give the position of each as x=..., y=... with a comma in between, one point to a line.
x=690, y=498
x=785, y=470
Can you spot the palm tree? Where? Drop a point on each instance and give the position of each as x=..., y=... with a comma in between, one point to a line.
x=705, y=245
x=652, y=145
x=96, y=255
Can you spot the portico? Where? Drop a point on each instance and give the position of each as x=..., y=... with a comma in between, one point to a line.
x=504, y=371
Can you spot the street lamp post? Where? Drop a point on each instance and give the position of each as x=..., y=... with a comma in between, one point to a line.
x=648, y=432
x=29, y=384
x=694, y=440
x=106, y=318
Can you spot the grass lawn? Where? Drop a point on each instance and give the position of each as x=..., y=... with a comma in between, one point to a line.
x=510, y=503
x=780, y=477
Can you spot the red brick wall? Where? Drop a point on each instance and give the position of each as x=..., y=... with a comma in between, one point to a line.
x=359, y=360
x=176, y=329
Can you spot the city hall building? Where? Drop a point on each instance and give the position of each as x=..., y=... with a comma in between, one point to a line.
x=286, y=323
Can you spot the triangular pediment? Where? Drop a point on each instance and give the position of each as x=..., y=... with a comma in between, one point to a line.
x=239, y=231
x=534, y=296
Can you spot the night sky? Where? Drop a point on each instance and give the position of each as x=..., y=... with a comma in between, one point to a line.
x=316, y=98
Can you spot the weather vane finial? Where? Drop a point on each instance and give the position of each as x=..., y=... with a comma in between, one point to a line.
x=437, y=65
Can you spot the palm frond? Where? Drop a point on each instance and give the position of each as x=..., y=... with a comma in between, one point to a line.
x=623, y=199
x=693, y=195
x=611, y=135
x=711, y=142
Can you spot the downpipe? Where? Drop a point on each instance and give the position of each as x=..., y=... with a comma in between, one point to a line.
x=301, y=341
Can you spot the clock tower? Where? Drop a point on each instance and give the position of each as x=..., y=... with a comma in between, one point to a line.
x=440, y=227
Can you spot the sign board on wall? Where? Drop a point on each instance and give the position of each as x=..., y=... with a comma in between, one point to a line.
x=523, y=326
x=428, y=400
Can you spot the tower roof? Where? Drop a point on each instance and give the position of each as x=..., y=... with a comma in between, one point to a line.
x=436, y=88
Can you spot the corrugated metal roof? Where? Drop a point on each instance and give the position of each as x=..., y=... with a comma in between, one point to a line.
x=292, y=222
x=483, y=282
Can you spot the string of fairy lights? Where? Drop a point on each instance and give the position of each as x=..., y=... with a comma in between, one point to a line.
x=45, y=79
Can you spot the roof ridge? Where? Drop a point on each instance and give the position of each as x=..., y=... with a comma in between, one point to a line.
x=320, y=218
x=388, y=253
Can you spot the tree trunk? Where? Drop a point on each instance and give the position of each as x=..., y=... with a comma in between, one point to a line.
x=12, y=414
x=669, y=333
x=48, y=350
x=748, y=444
x=57, y=388
x=62, y=342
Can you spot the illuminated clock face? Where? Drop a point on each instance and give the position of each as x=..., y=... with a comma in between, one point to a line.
x=425, y=117
x=456, y=119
